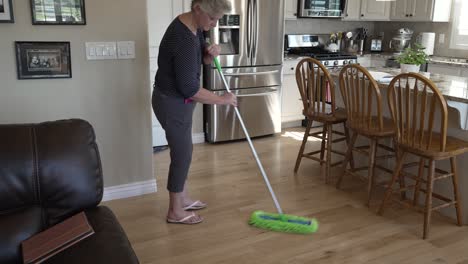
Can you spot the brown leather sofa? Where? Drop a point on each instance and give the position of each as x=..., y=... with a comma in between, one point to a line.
x=49, y=172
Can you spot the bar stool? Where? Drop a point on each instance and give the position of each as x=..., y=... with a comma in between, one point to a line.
x=414, y=102
x=363, y=101
x=317, y=91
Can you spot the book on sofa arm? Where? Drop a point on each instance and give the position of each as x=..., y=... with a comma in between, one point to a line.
x=55, y=239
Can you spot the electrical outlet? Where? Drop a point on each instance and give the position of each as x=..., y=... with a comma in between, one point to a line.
x=441, y=38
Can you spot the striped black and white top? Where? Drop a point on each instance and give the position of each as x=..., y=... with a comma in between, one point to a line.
x=179, y=61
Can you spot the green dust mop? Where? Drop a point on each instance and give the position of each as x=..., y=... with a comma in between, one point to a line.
x=276, y=222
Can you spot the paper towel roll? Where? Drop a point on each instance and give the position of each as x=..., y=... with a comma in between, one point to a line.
x=427, y=40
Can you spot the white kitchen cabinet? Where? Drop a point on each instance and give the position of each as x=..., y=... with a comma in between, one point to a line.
x=291, y=103
x=421, y=10
x=290, y=10
x=374, y=10
x=352, y=10
x=369, y=10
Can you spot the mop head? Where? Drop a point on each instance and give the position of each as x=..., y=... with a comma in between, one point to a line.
x=283, y=222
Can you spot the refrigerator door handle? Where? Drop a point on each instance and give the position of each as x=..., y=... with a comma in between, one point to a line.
x=250, y=73
x=249, y=27
x=255, y=29
x=256, y=94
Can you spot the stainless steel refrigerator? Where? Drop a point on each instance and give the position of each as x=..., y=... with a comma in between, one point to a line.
x=251, y=39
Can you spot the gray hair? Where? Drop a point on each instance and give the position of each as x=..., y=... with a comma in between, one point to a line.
x=213, y=7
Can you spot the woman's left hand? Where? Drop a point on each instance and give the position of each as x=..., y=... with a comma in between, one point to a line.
x=213, y=50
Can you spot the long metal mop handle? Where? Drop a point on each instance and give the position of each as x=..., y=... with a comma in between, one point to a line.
x=254, y=152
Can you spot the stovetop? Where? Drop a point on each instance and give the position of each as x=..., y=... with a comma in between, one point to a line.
x=327, y=58
x=319, y=53
x=330, y=56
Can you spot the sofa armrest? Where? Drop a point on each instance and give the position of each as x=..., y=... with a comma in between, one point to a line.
x=109, y=244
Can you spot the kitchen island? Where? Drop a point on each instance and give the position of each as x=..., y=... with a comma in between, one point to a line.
x=453, y=88
x=455, y=91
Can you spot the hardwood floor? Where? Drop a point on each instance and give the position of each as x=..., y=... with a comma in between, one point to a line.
x=226, y=177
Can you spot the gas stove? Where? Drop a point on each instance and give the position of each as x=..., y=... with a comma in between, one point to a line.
x=329, y=59
x=308, y=45
x=333, y=59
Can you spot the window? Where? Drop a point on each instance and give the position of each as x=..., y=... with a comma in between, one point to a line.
x=459, y=39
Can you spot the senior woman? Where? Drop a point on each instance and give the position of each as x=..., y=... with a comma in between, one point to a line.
x=177, y=89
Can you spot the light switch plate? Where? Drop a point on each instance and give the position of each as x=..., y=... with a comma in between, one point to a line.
x=126, y=49
x=101, y=50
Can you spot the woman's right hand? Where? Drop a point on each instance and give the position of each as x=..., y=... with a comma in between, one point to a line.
x=229, y=99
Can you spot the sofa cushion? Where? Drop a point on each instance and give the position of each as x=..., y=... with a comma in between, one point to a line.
x=55, y=165
x=17, y=184
x=17, y=226
x=109, y=244
x=69, y=168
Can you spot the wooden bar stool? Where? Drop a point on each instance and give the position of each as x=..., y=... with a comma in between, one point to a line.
x=316, y=86
x=414, y=102
x=363, y=101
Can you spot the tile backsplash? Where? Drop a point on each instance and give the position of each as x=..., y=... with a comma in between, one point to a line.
x=325, y=26
x=389, y=28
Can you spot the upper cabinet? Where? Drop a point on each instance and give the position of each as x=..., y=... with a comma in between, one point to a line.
x=352, y=10
x=290, y=10
x=370, y=10
x=421, y=10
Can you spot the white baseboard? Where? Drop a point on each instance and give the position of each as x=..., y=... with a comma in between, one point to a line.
x=198, y=138
x=129, y=190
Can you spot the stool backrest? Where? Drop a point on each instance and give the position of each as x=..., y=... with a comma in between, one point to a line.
x=362, y=97
x=414, y=103
x=316, y=87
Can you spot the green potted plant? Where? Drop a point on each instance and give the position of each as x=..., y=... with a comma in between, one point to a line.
x=412, y=58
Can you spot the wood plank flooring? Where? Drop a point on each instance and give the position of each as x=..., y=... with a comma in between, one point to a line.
x=226, y=177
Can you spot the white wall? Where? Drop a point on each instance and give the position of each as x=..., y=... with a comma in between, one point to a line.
x=112, y=95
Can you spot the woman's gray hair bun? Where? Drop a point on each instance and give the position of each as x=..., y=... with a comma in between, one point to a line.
x=213, y=7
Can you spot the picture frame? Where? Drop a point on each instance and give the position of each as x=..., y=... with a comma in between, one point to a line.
x=58, y=12
x=43, y=60
x=6, y=11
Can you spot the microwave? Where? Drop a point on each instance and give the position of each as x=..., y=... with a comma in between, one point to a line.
x=320, y=8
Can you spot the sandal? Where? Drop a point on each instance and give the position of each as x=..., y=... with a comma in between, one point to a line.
x=184, y=220
x=197, y=205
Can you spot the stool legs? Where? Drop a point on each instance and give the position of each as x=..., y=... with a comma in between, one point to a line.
x=322, y=146
x=428, y=206
x=396, y=174
x=418, y=181
x=402, y=177
x=453, y=164
x=328, y=161
x=371, y=171
x=348, y=156
x=348, y=138
x=304, y=141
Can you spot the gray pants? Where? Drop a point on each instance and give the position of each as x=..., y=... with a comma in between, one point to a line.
x=176, y=119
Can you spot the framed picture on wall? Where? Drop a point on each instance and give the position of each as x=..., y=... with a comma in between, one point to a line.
x=6, y=11
x=58, y=12
x=43, y=60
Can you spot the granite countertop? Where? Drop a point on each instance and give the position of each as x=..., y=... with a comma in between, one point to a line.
x=461, y=62
x=449, y=61
x=452, y=87
x=432, y=59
